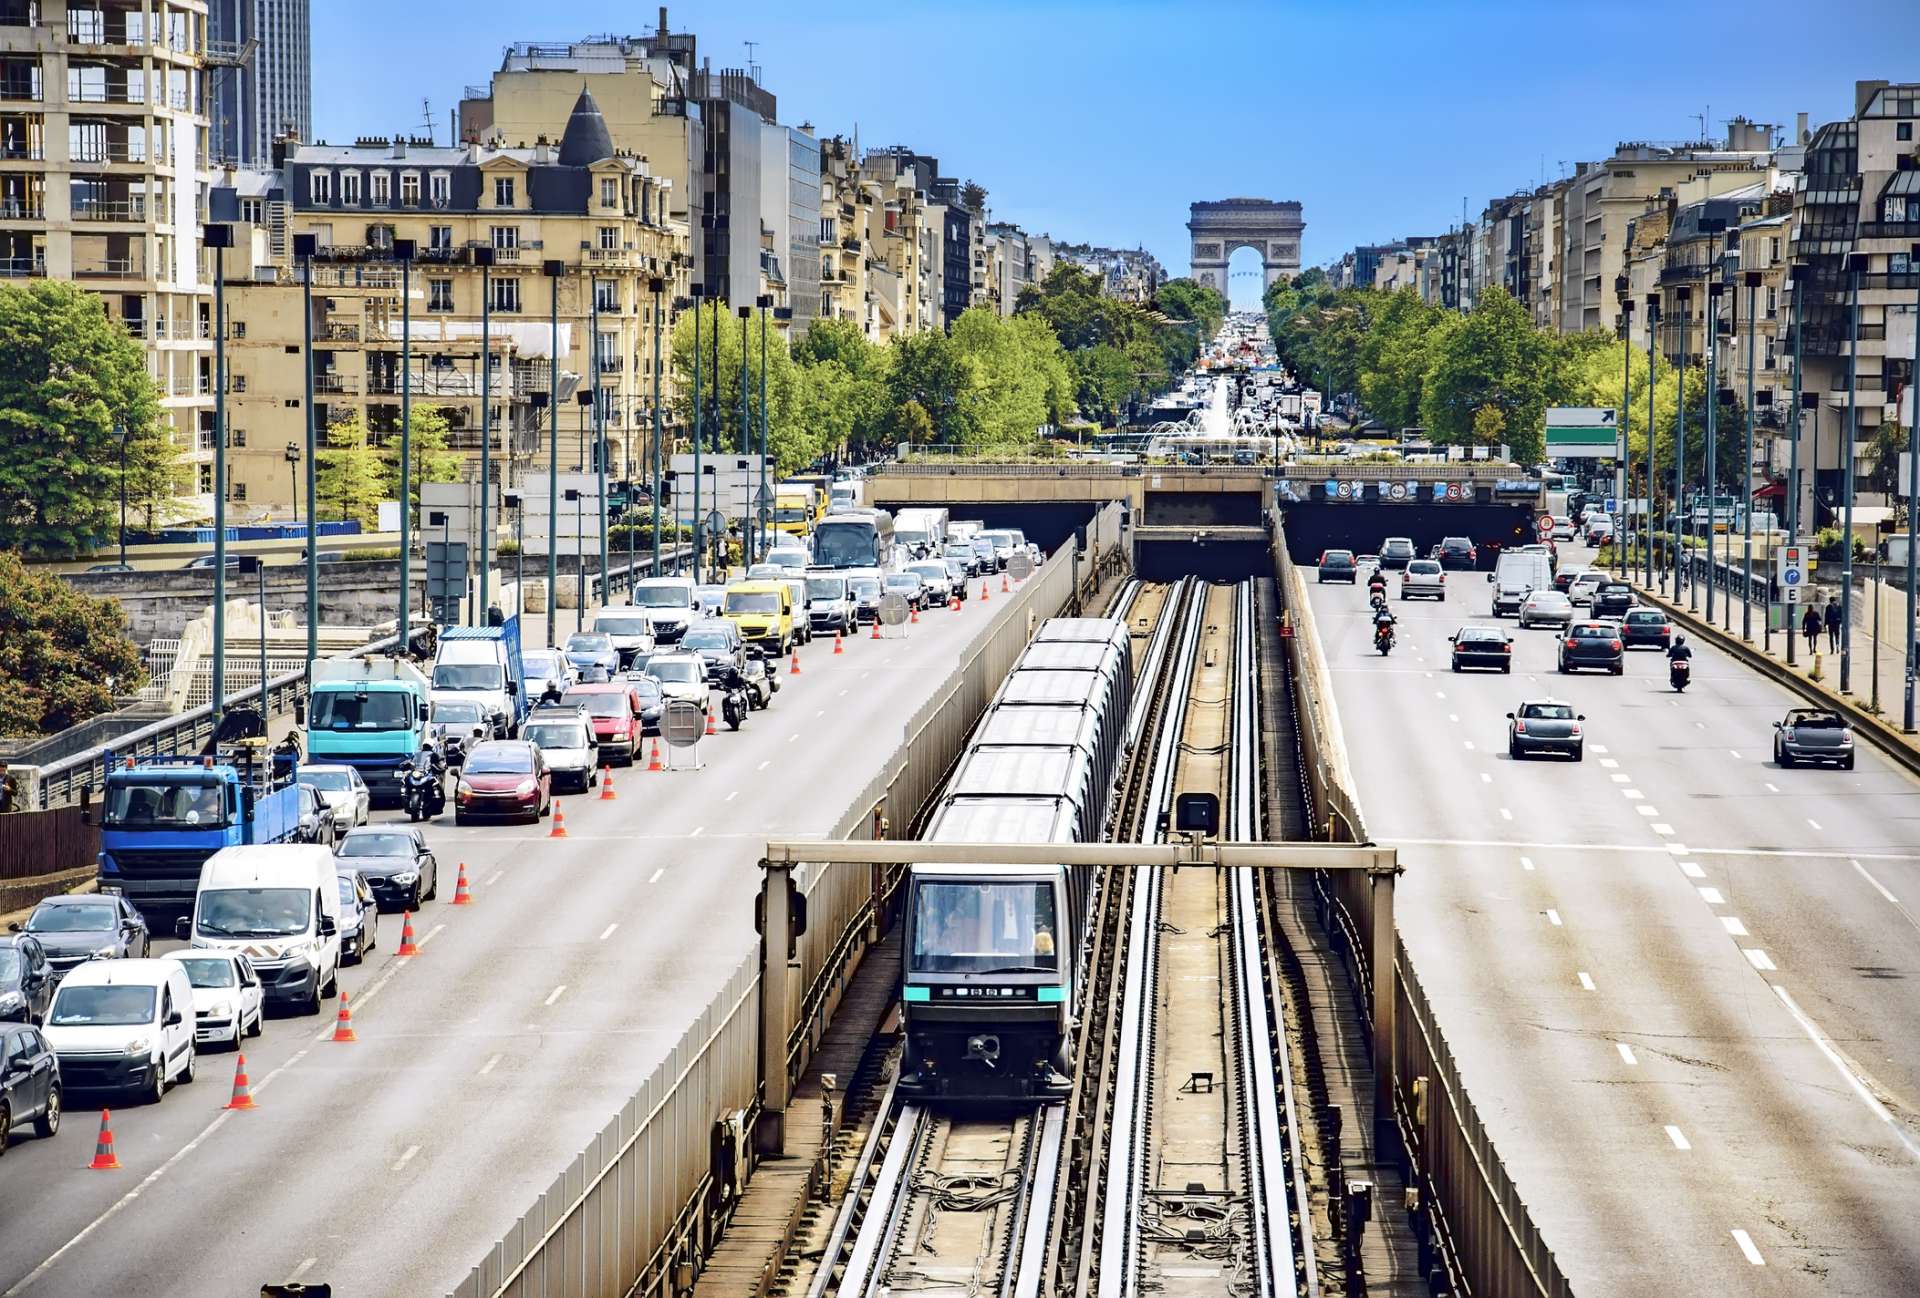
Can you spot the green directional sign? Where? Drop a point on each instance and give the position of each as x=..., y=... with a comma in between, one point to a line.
x=1582, y=433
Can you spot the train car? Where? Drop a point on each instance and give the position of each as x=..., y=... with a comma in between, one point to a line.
x=991, y=954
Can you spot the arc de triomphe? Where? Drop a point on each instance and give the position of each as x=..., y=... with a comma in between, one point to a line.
x=1221, y=228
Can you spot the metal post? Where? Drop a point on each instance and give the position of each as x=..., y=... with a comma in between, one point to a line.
x=775, y=1024
x=600, y=449
x=760, y=501
x=1856, y=262
x=404, y=250
x=659, y=327
x=1746, y=593
x=123, y=494
x=1714, y=289
x=303, y=247
x=554, y=270
x=718, y=422
x=1626, y=423
x=484, y=256
x=260, y=568
x=217, y=239
x=1653, y=371
x=746, y=435
x=1913, y=501
x=1795, y=273
x=1685, y=294
x=1385, y=994
x=699, y=292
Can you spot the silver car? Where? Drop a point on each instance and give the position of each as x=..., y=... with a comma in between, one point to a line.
x=1423, y=577
x=342, y=789
x=1546, y=608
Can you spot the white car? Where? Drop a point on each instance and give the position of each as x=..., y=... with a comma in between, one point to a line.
x=681, y=676
x=938, y=579
x=1563, y=528
x=1546, y=607
x=342, y=789
x=1599, y=529
x=1423, y=577
x=227, y=1001
x=565, y=738
x=1581, y=590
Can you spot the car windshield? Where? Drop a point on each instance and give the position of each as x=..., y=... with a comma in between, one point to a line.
x=336, y=781
x=503, y=760
x=682, y=671
x=253, y=912
x=1547, y=712
x=600, y=703
x=621, y=624
x=741, y=601
x=706, y=638
x=459, y=676
x=1423, y=567
x=99, y=1007
x=785, y=559
x=1338, y=557
x=557, y=735
x=866, y=589
x=1548, y=597
x=1475, y=633
x=958, y=550
x=458, y=713
x=589, y=644
x=847, y=544
x=826, y=587
x=1646, y=617
x=1817, y=721
x=71, y=919
x=973, y=927
x=171, y=805
x=376, y=845
x=645, y=686
x=902, y=580
x=210, y=971
x=791, y=513
x=662, y=597
x=931, y=571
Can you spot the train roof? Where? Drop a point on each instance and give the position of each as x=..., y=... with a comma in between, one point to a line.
x=1069, y=656
x=1046, y=686
x=967, y=818
x=1049, y=724
x=1096, y=629
x=1020, y=769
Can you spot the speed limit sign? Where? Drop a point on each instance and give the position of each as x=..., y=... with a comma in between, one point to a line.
x=1545, y=525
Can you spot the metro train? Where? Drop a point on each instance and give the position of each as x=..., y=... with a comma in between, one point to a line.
x=991, y=954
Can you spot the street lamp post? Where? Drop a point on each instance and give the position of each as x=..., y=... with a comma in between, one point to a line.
x=746, y=429
x=1795, y=273
x=1646, y=523
x=1714, y=290
x=304, y=246
x=518, y=504
x=403, y=252
x=1856, y=264
x=1685, y=295
x=1913, y=501
x=765, y=303
x=483, y=258
x=600, y=443
x=657, y=286
x=292, y=457
x=553, y=271
x=579, y=569
x=1752, y=278
x=699, y=294
x=122, y=430
x=583, y=399
x=1626, y=418
x=217, y=239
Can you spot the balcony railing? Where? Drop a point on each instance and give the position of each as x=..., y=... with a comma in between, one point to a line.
x=106, y=94
x=340, y=332
x=22, y=267
x=1890, y=230
x=22, y=153
x=596, y=256
x=22, y=209
x=115, y=209
x=111, y=268
x=20, y=90
x=336, y=384
x=100, y=152
x=505, y=256
x=612, y=364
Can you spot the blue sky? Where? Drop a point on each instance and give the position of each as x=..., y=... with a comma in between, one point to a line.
x=1102, y=121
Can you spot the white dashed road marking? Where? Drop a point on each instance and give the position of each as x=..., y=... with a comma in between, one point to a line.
x=555, y=994
x=1553, y=918
x=1733, y=925
x=1626, y=1053
x=406, y=1157
x=489, y=1065
x=655, y=877
x=1813, y=824
x=1678, y=1138
x=1712, y=897
x=1692, y=870
x=1745, y=1241
x=1586, y=980
x=1758, y=959
x=607, y=932
x=1526, y=863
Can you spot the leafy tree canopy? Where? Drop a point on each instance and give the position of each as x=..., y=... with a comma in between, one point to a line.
x=59, y=649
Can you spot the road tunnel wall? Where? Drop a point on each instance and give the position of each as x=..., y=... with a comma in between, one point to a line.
x=1047, y=523
x=1316, y=525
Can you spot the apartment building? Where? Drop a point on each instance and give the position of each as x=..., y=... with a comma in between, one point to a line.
x=260, y=77
x=1130, y=274
x=500, y=236
x=103, y=156
x=1016, y=261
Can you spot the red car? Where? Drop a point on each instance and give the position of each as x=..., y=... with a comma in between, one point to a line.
x=503, y=778
x=614, y=708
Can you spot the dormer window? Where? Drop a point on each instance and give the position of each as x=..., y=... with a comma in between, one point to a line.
x=503, y=191
x=609, y=192
x=380, y=185
x=410, y=189
x=320, y=187
x=350, y=188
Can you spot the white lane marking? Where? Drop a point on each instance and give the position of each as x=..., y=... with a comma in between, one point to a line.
x=1485, y=778
x=488, y=1067
x=764, y=765
x=1692, y=870
x=1879, y=887
x=1662, y=830
x=1599, y=748
x=1505, y=814
x=1813, y=824
x=1758, y=959
x=1526, y=863
x=1734, y=753
x=1733, y=925
x=1679, y=849
x=1745, y=1241
x=607, y=932
x=863, y=676
x=697, y=831
x=731, y=796
x=1439, y=694
x=1553, y=918
x=793, y=737
x=1586, y=980
x=1618, y=778
x=1678, y=1138
x=1771, y=788
x=1609, y=762
x=301, y=1270
x=1646, y=810
x=821, y=713
x=1453, y=716
x=1867, y=1097
x=1468, y=743
x=495, y=879
x=1699, y=725
x=555, y=994
x=432, y=933
x=1626, y=1053
x=1712, y=897
x=655, y=877
x=1632, y=795
x=406, y=1157
x=1509, y=845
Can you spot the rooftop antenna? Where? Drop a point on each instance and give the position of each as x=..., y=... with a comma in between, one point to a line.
x=1702, y=119
x=753, y=69
x=426, y=119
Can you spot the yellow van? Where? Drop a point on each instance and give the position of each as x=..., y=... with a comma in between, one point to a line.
x=763, y=610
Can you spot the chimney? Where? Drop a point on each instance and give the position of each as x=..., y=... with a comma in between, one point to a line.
x=1800, y=135
x=663, y=22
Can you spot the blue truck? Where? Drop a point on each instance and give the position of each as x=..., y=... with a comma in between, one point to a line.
x=370, y=714
x=162, y=817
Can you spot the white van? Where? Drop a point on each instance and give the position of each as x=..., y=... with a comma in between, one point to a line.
x=668, y=604
x=280, y=903
x=630, y=629
x=124, y=1025
x=1518, y=574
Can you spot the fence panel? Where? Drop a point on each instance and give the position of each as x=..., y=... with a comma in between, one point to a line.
x=46, y=842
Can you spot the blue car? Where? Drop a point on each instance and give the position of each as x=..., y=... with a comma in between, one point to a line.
x=587, y=650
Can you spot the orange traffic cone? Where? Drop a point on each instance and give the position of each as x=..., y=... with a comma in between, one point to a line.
x=1004, y=588
x=242, y=1088
x=984, y=596
x=793, y=668
x=955, y=605
x=606, y=784
x=406, y=935
x=462, y=897
x=836, y=643
x=343, y=1022
x=103, y=1156
x=913, y=616
x=710, y=726
x=876, y=630
x=653, y=762
x=559, y=823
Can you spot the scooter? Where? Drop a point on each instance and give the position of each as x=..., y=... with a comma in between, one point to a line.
x=1679, y=672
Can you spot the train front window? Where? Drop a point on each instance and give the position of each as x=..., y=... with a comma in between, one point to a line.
x=973, y=927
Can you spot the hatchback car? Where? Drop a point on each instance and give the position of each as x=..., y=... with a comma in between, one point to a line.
x=909, y=586
x=719, y=642
x=566, y=740
x=1424, y=578
x=542, y=667
x=682, y=676
x=1456, y=552
x=227, y=1001
x=1338, y=565
x=1546, y=608
x=1592, y=644
x=1612, y=599
x=316, y=818
x=26, y=979
x=1482, y=646
x=1396, y=552
x=29, y=1083
x=1598, y=529
x=342, y=789
x=1813, y=735
x=74, y=930
x=395, y=859
x=589, y=649
x=1584, y=587
x=1646, y=626
x=1564, y=528
x=359, y=916
x=1545, y=726
x=612, y=711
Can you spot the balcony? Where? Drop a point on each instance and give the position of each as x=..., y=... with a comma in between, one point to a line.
x=340, y=332
x=111, y=209
x=20, y=90
x=1683, y=274
x=595, y=256
x=1890, y=230
x=111, y=268
x=107, y=152
x=22, y=267
x=506, y=256
x=342, y=385
x=22, y=209
x=611, y=364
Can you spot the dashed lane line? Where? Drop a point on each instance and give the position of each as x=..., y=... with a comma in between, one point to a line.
x=406, y=1157
x=1553, y=917
x=607, y=932
x=492, y=1062
x=554, y=995
x=1670, y=849
x=1733, y=926
x=1678, y=1138
x=1745, y=1241
x=1712, y=897
x=1586, y=981
x=1758, y=959
x=1626, y=1053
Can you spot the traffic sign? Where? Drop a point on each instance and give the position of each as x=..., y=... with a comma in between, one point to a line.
x=1544, y=525
x=1790, y=566
x=683, y=723
x=1020, y=567
x=1612, y=506
x=1792, y=594
x=893, y=608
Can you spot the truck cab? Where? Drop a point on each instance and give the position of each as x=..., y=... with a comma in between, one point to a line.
x=793, y=510
x=370, y=714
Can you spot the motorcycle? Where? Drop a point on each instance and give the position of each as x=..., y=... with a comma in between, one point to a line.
x=1679, y=672
x=1383, y=639
x=735, y=702
x=425, y=792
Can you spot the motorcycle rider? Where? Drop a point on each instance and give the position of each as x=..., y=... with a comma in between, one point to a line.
x=1383, y=622
x=1678, y=653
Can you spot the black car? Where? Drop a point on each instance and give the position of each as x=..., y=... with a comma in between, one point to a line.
x=395, y=862
x=1612, y=599
x=359, y=916
x=1456, y=552
x=29, y=1083
x=1397, y=552
x=1339, y=565
x=1482, y=646
x=1592, y=644
x=26, y=979
x=1813, y=735
x=646, y=691
x=316, y=818
x=73, y=930
x=1646, y=626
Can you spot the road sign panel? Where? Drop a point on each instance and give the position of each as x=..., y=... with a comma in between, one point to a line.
x=1793, y=594
x=1544, y=525
x=683, y=723
x=893, y=608
x=1020, y=567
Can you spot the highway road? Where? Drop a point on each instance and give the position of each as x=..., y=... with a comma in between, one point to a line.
x=1679, y=981
x=389, y=1166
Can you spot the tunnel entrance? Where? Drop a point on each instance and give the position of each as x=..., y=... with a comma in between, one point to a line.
x=1313, y=526
x=1050, y=524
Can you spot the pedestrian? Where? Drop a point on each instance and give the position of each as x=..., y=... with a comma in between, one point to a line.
x=9, y=794
x=1833, y=624
x=1810, y=627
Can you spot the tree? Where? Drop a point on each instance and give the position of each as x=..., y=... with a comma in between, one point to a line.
x=1393, y=358
x=63, y=655
x=929, y=371
x=431, y=460
x=70, y=380
x=720, y=428
x=1489, y=426
x=1103, y=380
x=1495, y=358
x=353, y=476
x=1187, y=299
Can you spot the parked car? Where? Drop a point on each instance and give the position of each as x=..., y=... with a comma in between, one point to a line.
x=1592, y=644
x=1813, y=735
x=207, y=562
x=1482, y=646
x=72, y=930
x=227, y=1001
x=29, y=1083
x=26, y=979
x=1646, y=626
x=110, y=567
x=1423, y=577
x=1545, y=726
x=395, y=860
x=566, y=739
x=124, y=1025
x=1546, y=608
x=359, y=915
x=344, y=792
x=1338, y=565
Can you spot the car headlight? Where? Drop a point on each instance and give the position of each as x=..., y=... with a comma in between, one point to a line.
x=406, y=878
x=220, y=1008
x=620, y=733
x=104, y=953
x=524, y=788
x=297, y=950
x=138, y=1046
x=463, y=787
x=11, y=1000
x=1845, y=739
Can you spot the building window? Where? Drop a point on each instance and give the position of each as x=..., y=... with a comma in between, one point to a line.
x=381, y=237
x=607, y=349
x=1903, y=130
x=439, y=295
x=250, y=210
x=320, y=187
x=503, y=191
x=609, y=192
x=440, y=188
x=1897, y=263
x=506, y=294
x=237, y=490
x=826, y=229
x=206, y=479
x=410, y=189
x=606, y=295
x=506, y=238
x=350, y=189
x=380, y=189
x=440, y=238
x=609, y=238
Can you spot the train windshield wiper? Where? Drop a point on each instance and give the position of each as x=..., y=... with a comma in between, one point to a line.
x=1021, y=968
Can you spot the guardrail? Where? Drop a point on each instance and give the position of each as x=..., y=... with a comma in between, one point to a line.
x=1469, y=1217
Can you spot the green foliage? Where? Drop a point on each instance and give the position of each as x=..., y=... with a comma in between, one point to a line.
x=58, y=650
x=70, y=379
x=929, y=372
x=1496, y=358
x=353, y=476
x=1393, y=357
x=1116, y=352
x=431, y=460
